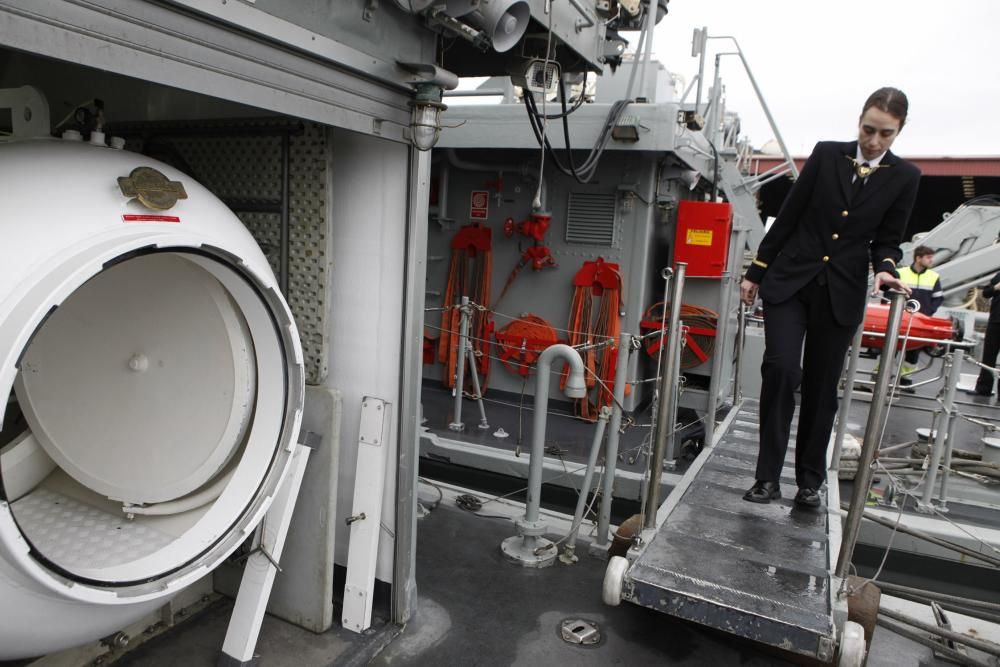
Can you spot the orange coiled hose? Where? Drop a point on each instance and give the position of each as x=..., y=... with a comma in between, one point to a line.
x=595, y=324
x=470, y=273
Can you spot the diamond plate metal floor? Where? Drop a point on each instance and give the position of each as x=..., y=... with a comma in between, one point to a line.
x=762, y=572
x=80, y=537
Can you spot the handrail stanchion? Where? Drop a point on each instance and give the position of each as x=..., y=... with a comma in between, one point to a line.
x=946, y=471
x=665, y=421
x=873, y=430
x=614, y=435
x=940, y=433
x=463, y=335
x=741, y=333
x=845, y=400
x=715, y=375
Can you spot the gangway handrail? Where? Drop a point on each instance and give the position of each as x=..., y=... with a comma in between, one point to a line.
x=873, y=429
x=943, y=342
x=667, y=408
x=754, y=184
x=700, y=45
x=777, y=170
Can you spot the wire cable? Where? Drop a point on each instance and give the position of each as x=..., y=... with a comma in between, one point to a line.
x=576, y=104
x=440, y=491
x=892, y=536
x=536, y=203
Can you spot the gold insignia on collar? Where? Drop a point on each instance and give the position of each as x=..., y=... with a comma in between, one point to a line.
x=863, y=170
x=153, y=190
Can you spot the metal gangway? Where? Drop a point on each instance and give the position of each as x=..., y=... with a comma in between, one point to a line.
x=761, y=572
x=773, y=574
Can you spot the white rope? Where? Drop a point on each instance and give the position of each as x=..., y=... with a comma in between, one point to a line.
x=895, y=527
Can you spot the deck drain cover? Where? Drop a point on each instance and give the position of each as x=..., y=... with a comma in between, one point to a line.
x=580, y=631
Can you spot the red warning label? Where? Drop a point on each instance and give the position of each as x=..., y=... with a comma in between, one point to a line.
x=129, y=217
x=479, y=205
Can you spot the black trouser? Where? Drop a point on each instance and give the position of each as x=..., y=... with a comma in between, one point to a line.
x=991, y=347
x=808, y=315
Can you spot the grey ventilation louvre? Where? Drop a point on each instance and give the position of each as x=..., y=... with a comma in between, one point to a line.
x=591, y=219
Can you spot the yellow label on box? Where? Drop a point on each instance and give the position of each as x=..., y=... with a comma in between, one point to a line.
x=699, y=237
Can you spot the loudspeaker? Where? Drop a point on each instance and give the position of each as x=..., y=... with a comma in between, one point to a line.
x=503, y=21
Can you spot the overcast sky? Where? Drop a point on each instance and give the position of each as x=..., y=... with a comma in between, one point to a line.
x=816, y=62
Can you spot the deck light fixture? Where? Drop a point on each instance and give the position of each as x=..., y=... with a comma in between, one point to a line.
x=425, y=127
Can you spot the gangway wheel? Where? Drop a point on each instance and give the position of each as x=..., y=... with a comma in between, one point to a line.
x=614, y=578
x=852, y=646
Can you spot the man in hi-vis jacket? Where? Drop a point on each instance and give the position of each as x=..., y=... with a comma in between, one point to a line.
x=844, y=216
x=925, y=284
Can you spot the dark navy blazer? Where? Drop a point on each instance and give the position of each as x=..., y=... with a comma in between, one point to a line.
x=820, y=229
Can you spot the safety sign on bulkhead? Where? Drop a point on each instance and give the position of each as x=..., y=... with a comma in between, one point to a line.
x=479, y=205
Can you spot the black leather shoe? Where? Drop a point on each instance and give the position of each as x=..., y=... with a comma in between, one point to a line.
x=807, y=497
x=763, y=492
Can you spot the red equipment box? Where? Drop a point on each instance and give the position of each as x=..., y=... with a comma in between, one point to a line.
x=917, y=324
x=702, y=241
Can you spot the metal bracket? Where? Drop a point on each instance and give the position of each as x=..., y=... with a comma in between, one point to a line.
x=310, y=439
x=258, y=574
x=371, y=6
x=942, y=621
x=628, y=590
x=581, y=631
x=825, y=649
x=365, y=522
x=428, y=73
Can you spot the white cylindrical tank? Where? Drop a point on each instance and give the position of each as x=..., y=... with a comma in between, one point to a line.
x=159, y=375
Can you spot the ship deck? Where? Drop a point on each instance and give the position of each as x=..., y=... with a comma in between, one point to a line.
x=476, y=608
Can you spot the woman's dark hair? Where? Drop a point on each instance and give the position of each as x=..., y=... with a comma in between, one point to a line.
x=890, y=100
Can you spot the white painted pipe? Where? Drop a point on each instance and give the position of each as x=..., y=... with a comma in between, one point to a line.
x=576, y=387
x=528, y=548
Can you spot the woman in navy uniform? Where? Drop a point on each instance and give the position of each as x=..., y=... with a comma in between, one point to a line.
x=847, y=211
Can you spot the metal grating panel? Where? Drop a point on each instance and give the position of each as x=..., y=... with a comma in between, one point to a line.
x=244, y=170
x=309, y=251
x=591, y=219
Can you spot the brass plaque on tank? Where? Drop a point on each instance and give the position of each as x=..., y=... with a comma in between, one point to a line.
x=153, y=190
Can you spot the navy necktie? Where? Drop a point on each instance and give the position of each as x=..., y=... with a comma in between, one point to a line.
x=858, y=183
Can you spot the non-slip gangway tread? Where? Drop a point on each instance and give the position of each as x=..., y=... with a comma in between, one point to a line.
x=761, y=572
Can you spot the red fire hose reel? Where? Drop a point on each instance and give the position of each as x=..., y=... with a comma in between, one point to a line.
x=700, y=326
x=520, y=342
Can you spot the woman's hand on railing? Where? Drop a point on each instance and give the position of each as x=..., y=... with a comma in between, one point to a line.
x=748, y=291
